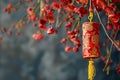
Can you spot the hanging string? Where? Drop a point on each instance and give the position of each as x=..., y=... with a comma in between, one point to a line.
x=108, y=52
x=90, y=17
x=91, y=70
x=90, y=2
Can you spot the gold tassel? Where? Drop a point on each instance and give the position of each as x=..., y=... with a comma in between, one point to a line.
x=91, y=70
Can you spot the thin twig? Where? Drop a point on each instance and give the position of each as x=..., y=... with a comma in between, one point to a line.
x=111, y=48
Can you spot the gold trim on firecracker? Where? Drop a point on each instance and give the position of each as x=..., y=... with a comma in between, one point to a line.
x=95, y=39
x=94, y=51
x=90, y=56
x=89, y=26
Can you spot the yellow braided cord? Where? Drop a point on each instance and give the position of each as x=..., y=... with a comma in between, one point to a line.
x=90, y=17
x=91, y=70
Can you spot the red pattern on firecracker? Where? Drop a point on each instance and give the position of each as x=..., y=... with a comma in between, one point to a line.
x=91, y=44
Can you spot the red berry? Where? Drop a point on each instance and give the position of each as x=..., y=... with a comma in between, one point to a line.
x=114, y=18
x=35, y=24
x=68, y=25
x=68, y=49
x=51, y=31
x=109, y=27
x=42, y=27
x=117, y=42
x=118, y=69
x=15, y=9
x=75, y=49
x=75, y=40
x=9, y=32
x=9, y=6
x=63, y=40
x=5, y=9
x=104, y=44
x=1, y=38
x=38, y=36
x=29, y=0
x=82, y=1
x=104, y=59
x=17, y=33
x=55, y=5
x=77, y=45
x=3, y=29
x=42, y=21
x=30, y=10
x=71, y=34
x=50, y=17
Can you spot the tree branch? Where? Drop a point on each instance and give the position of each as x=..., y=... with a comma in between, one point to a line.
x=106, y=31
x=108, y=58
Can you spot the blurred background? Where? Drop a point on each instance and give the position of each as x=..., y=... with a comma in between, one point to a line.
x=23, y=58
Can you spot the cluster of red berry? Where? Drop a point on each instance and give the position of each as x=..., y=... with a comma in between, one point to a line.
x=72, y=36
x=9, y=32
x=38, y=36
x=31, y=14
x=9, y=8
x=73, y=13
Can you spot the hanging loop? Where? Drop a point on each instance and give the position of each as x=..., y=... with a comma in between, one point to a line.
x=90, y=17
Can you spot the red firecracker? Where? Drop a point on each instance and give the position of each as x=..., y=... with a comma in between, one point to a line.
x=91, y=43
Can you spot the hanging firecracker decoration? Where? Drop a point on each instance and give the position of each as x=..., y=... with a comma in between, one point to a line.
x=91, y=46
x=91, y=43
